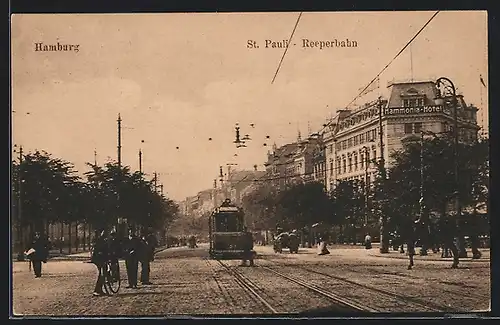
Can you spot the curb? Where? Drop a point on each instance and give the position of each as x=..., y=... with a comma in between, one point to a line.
x=403, y=256
x=87, y=258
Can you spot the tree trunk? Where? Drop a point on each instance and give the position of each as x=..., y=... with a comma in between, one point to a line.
x=309, y=240
x=77, y=239
x=474, y=236
x=462, y=251
x=91, y=229
x=84, y=236
x=69, y=237
x=61, y=240
x=384, y=238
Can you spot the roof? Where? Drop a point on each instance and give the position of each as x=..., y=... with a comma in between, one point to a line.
x=401, y=90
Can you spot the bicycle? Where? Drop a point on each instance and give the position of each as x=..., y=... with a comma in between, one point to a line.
x=112, y=280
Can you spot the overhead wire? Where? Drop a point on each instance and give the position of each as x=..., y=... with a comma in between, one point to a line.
x=286, y=47
x=394, y=58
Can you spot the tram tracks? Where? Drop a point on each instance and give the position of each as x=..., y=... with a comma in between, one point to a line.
x=350, y=295
x=403, y=300
x=258, y=293
x=249, y=286
x=326, y=294
x=416, y=281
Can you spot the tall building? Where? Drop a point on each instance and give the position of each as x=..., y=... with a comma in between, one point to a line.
x=353, y=140
x=240, y=182
x=300, y=161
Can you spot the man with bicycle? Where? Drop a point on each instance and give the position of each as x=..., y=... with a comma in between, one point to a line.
x=115, y=252
x=100, y=255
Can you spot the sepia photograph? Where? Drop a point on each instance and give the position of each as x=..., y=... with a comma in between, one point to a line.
x=249, y=163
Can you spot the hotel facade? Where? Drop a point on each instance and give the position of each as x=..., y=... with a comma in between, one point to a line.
x=352, y=140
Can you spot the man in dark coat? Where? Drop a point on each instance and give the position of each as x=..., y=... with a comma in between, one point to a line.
x=448, y=233
x=149, y=243
x=100, y=255
x=247, y=248
x=132, y=253
x=37, y=253
x=115, y=251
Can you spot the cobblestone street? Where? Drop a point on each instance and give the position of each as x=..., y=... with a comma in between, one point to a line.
x=186, y=282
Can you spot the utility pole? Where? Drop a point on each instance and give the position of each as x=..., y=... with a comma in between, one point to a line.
x=20, y=256
x=119, y=140
x=215, y=193
x=140, y=160
x=384, y=239
x=119, y=147
x=221, y=175
x=367, y=185
x=155, y=180
x=95, y=158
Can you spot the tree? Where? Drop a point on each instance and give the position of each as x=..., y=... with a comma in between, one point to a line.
x=260, y=206
x=398, y=197
x=348, y=205
x=44, y=182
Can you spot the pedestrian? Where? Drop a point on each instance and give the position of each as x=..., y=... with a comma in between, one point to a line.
x=247, y=248
x=322, y=246
x=449, y=232
x=115, y=252
x=100, y=255
x=368, y=241
x=149, y=244
x=132, y=251
x=37, y=253
x=411, y=238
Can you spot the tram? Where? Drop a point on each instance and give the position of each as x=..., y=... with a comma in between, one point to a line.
x=227, y=232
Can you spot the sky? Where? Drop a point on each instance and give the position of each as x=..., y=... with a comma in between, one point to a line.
x=179, y=79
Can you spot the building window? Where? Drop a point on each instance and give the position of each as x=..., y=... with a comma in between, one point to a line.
x=344, y=166
x=344, y=145
x=350, y=164
x=444, y=127
x=331, y=168
x=417, y=127
x=408, y=128
x=356, y=140
x=362, y=160
x=362, y=138
x=420, y=102
x=349, y=142
x=374, y=153
x=368, y=136
x=331, y=148
x=355, y=162
x=374, y=134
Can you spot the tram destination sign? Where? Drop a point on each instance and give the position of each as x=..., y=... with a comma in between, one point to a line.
x=415, y=110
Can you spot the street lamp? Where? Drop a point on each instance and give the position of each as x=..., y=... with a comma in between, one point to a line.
x=384, y=238
x=450, y=89
x=366, y=152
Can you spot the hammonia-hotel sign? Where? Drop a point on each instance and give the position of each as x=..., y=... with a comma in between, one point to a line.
x=415, y=110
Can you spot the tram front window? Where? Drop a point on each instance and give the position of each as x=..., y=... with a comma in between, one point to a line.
x=228, y=223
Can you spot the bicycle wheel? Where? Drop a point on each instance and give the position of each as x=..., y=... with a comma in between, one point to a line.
x=112, y=278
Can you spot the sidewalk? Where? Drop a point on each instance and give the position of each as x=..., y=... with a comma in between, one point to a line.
x=79, y=256
x=360, y=252
x=85, y=256
x=430, y=255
